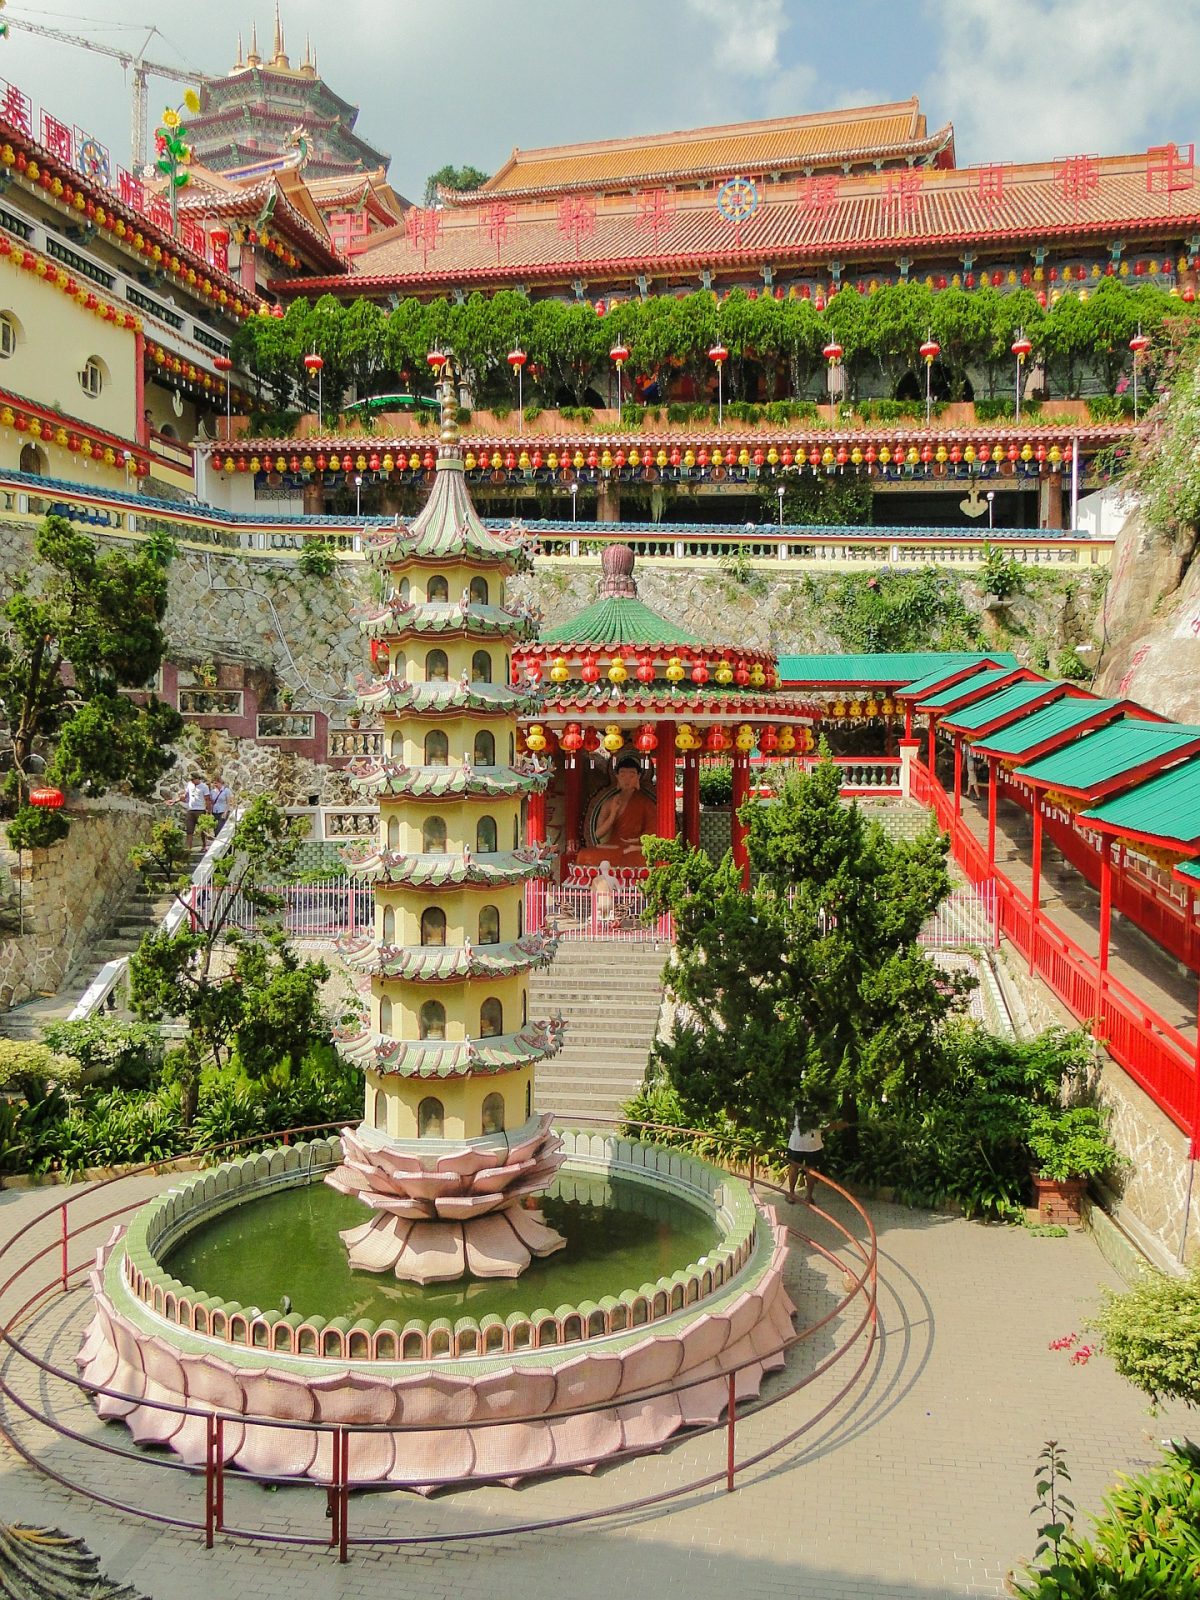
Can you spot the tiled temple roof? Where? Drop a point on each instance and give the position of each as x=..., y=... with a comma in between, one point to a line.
x=429, y=1058
x=617, y=623
x=448, y=963
x=466, y=782
x=397, y=618
x=436, y=699
x=402, y=869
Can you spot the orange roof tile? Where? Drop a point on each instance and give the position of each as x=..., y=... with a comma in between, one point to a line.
x=778, y=145
x=868, y=215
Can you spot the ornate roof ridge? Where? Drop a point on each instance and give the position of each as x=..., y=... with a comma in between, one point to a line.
x=430, y=1058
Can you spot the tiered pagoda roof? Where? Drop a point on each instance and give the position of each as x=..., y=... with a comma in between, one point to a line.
x=469, y=871
x=449, y=964
x=458, y=782
x=398, y=618
x=436, y=1058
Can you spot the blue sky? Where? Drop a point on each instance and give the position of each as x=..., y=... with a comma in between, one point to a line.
x=466, y=80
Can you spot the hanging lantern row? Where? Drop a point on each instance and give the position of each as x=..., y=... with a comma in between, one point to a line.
x=745, y=673
x=261, y=240
x=51, y=431
x=186, y=374
x=53, y=273
x=868, y=706
x=138, y=232
x=770, y=740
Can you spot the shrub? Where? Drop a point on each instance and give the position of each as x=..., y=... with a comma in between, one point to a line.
x=129, y=1054
x=33, y=828
x=501, y=410
x=316, y=560
x=1071, y=1142
x=1005, y=410
x=532, y=412
x=1069, y=664
x=1000, y=575
x=27, y=1067
x=632, y=414
x=716, y=784
x=1152, y=1336
x=1110, y=407
x=463, y=415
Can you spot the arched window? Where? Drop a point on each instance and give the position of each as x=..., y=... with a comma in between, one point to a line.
x=10, y=332
x=528, y=1100
x=433, y=836
x=507, y=669
x=491, y=1018
x=485, y=835
x=379, y=1115
x=437, y=748
x=389, y=925
x=431, y=1119
x=485, y=749
x=397, y=746
x=393, y=833
x=405, y=590
x=437, y=589
x=481, y=667
x=92, y=377
x=433, y=925
x=385, y=1014
x=489, y=925
x=479, y=591
x=33, y=460
x=493, y=1113
x=437, y=668
x=431, y=1023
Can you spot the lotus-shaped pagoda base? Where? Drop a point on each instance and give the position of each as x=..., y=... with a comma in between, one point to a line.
x=462, y=1211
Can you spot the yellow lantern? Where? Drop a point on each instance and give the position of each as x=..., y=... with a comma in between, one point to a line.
x=577, y=460
x=787, y=741
x=606, y=460
x=839, y=708
x=855, y=708
x=856, y=457
x=613, y=738
x=871, y=708
x=255, y=464
x=941, y=455
x=912, y=457
x=685, y=739
x=724, y=672
x=744, y=738
x=885, y=455
x=307, y=464
x=617, y=672
x=230, y=464
x=280, y=464
x=772, y=457
x=523, y=461
x=1055, y=455
x=414, y=462
x=1027, y=451
x=969, y=454
x=552, y=461
x=718, y=459
x=536, y=738
x=827, y=457
x=743, y=457
x=757, y=676
x=634, y=457
x=675, y=670
x=689, y=459
x=389, y=462
x=660, y=459
x=559, y=671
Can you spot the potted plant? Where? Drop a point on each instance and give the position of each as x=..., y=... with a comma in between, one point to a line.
x=1069, y=1145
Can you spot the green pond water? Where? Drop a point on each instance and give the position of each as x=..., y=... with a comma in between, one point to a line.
x=619, y=1235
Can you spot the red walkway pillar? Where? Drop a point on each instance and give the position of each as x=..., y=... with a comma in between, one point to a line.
x=993, y=800
x=1105, y=927
x=932, y=752
x=1035, y=886
x=1195, y=1150
x=691, y=798
x=741, y=788
x=957, y=776
x=664, y=777
x=908, y=733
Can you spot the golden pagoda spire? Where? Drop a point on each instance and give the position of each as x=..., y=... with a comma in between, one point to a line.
x=254, y=59
x=449, y=440
x=239, y=64
x=278, y=53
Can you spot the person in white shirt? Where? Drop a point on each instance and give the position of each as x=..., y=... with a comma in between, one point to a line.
x=219, y=799
x=805, y=1150
x=196, y=802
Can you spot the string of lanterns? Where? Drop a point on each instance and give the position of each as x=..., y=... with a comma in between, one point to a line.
x=187, y=374
x=52, y=431
x=743, y=673
x=575, y=737
x=53, y=273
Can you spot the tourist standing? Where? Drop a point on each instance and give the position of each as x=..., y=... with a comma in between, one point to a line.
x=805, y=1152
x=219, y=801
x=196, y=802
x=972, y=774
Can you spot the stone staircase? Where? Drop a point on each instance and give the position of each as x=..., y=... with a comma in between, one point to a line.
x=610, y=995
x=142, y=910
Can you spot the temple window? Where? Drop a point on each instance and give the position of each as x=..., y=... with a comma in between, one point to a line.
x=521, y=917
x=431, y=1118
x=485, y=749
x=405, y=590
x=437, y=589
x=491, y=1019
x=433, y=925
x=437, y=748
x=385, y=1014
x=479, y=591
x=431, y=1022
x=389, y=925
x=437, y=667
x=485, y=835
x=393, y=833
x=397, y=746
x=433, y=836
x=379, y=1115
x=493, y=1113
x=481, y=667
x=489, y=925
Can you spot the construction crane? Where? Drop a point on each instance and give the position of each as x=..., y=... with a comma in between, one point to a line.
x=138, y=128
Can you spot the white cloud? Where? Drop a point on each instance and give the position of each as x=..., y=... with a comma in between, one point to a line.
x=746, y=34
x=1030, y=79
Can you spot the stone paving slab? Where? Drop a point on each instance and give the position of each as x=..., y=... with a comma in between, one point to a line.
x=917, y=1487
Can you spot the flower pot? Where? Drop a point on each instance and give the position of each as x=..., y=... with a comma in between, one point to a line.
x=1060, y=1200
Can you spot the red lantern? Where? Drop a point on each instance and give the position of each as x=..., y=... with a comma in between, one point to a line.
x=47, y=799
x=373, y=461
x=591, y=740
x=321, y=463
x=832, y=352
x=589, y=670
x=804, y=740
x=700, y=674
x=930, y=351
x=768, y=740
x=814, y=457
x=223, y=363
x=437, y=360
x=741, y=675
x=645, y=669
x=870, y=455
x=593, y=459
x=1138, y=343
x=702, y=457
x=718, y=354
x=571, y=738
x=516, y=358
x=676, y=456
x=313, y=363
x=645, y=739
x=510, y=460
x=1187, y=294
x=276, y=309
x=758, y=457
x=1040, y=453
x=533, y=670
x=347, y=462
x=843, y=455
x=786, y=455
x=955, y=454
x=717, y=739
x=927, y=454
x=1021, y=347
x=1013, y=452
x=428, y=461
x=619, y=354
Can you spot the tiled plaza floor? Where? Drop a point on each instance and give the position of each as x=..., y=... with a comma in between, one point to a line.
x=918, y=1486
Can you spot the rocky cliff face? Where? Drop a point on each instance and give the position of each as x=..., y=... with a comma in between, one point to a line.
x=1148, y=623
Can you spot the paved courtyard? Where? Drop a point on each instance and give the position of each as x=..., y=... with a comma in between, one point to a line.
x=918, y=1486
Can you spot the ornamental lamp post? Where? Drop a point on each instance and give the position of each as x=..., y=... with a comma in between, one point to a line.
x=833, y=356
x=619, y=355
x=313, y=363
x=1021, y=347
x=516, y=360
x=718, y=355
x=1139, y=344
x=780, y=492
x=224, y=366
x=357, y=495
x=930, y=351
x=991, y=500
x=574, y=493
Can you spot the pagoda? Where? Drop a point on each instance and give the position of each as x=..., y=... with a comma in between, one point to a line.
x=451, y=1144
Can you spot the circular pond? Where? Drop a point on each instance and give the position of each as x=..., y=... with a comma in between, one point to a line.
x=620, y=1235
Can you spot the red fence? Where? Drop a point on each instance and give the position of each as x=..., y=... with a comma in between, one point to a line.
x=1156, y=1055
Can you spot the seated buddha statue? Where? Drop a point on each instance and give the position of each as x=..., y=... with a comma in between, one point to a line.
x=621, y=821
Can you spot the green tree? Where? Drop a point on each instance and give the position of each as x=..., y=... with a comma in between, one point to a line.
x=76, y=632
x=240, y=992
x=810, y=990
x=450, y=177
x=900, y=611
x=962, y=326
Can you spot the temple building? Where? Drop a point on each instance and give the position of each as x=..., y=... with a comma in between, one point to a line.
x=253, y=115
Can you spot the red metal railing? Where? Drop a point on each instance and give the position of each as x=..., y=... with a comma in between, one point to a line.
x=41, y=1273
x=1156, y=1055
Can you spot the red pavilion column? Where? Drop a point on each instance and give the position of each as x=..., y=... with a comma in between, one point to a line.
x=573, y=792
x=664, y=778
x=1035, y=886
x=535, y=819
x=1105, y=927
x=741, y=788
x=908, y=711
x=932, y=757
x=993, y=801
x=691, y=798
x=957, y=777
